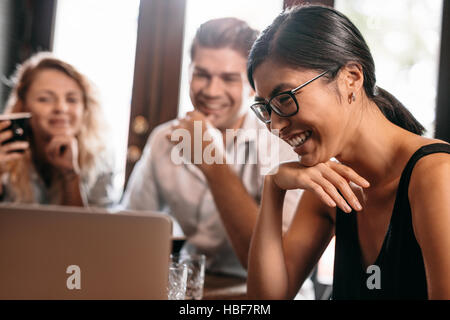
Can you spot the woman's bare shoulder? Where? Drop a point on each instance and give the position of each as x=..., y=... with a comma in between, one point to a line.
x=432, y=163
x=430, y=170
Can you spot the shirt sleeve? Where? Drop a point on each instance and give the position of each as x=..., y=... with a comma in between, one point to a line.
x=104, y=193
x=107, y=188
x=142, y=191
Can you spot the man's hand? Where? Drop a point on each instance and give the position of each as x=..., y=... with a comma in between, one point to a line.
x=205, y=140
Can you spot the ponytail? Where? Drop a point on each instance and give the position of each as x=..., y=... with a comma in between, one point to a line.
x=396, y=112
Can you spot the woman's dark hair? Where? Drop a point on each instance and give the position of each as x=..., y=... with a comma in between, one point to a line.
x=321, y=38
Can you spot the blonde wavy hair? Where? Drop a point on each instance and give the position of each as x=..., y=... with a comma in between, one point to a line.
x=91, y=138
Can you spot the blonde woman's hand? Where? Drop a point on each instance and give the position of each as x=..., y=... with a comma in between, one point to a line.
x=62, y=153
x=12, y=150
x=330, y=181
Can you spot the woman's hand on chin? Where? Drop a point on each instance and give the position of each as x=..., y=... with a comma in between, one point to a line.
x=62, y=154
x=330, y=181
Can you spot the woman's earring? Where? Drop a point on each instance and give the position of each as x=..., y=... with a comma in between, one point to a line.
x=352, y=98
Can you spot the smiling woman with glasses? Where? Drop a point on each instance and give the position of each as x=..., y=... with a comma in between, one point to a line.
x=381, y=211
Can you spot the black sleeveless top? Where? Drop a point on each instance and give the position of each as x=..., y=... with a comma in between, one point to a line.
x=401, y=268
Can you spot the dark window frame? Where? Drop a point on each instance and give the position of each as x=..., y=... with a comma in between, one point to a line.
x=29, y=26
x=157, y=72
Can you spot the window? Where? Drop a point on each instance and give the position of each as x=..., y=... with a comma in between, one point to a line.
x=257, y=13
x=404, y=38
x=99, y=38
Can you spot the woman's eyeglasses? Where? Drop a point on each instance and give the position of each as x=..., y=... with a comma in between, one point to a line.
x=284, y=104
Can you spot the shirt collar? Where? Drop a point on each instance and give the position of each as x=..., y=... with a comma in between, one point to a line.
x=249, y=130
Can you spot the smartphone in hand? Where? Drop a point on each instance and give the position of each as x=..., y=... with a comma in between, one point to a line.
x=19, y=127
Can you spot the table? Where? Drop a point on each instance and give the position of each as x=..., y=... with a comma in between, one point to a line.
x=224, y=287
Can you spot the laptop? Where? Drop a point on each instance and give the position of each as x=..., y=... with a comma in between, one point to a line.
x=56, y=252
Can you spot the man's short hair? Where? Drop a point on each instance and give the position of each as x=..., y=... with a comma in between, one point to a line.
x=225, y=33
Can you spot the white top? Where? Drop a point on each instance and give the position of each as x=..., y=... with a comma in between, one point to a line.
x=181, y=190
x=104, y=191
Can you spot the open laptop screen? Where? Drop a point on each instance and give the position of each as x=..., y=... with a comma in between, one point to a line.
x=55, y=252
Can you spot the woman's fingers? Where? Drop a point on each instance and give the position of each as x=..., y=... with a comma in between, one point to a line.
x=11, y=157
x=333, y=180
x=58, y=146
x=51, y=150
x=4, y=124
x=14, y=146
x=348, y=173
x=320, y=192
x=329, y=181
x=62, y=153
x=12, y=151
x=5, y=135
x=341, y=184
x=333, y=193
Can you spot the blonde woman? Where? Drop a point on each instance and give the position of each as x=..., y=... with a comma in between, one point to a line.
x=65, y=160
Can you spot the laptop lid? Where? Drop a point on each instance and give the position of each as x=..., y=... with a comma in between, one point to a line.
x=55, y=252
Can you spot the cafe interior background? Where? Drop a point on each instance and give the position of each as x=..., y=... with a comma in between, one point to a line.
x=137, y=53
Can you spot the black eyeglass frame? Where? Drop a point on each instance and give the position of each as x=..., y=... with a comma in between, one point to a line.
x=269, y=107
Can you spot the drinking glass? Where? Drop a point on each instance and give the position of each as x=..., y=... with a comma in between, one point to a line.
x=195, y=273
x=176, y=287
